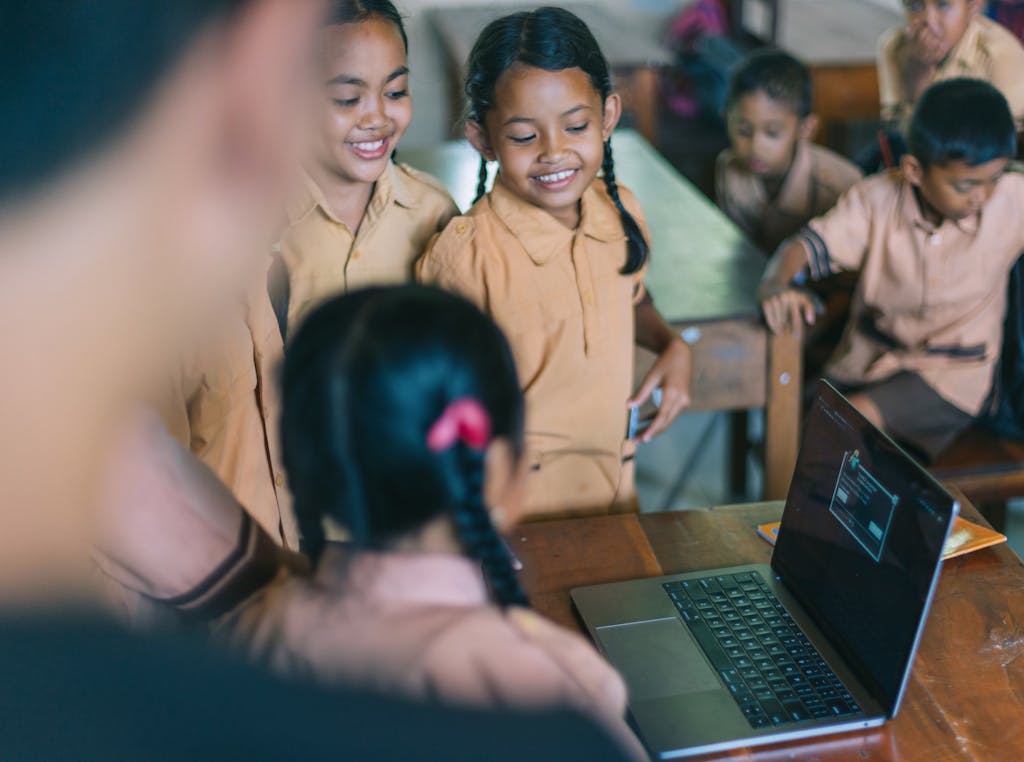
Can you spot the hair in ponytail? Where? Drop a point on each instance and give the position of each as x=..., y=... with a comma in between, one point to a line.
x=366, y=379
x=481, y=183
x=636, y=245
x=552, y=39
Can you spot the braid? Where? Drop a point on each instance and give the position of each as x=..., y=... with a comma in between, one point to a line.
x=636, y=245
x=481, y=184
x=478, y=534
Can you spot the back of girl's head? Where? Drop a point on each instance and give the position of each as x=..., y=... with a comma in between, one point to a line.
x=552, y=39
x=366, y=378
x=355, y=11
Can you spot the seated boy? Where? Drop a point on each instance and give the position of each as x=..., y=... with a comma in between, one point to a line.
x=943, y=39
x=773, y=179
x=933, y=244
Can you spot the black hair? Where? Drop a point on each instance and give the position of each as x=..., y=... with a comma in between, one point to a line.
x=778, y=75
x=354, y=11
x=964, y=120
x=77, y=72
x=552, y=39
x=366, y=377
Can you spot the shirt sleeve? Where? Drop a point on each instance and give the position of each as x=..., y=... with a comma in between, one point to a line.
x=839, y=240
x=890, y=87
x=1008, y=74
x=452, y=262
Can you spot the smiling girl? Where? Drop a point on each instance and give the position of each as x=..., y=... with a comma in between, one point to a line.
x=359, y=218
x=556, y=254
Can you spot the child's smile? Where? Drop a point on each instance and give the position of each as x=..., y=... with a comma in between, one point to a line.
x=547, y=131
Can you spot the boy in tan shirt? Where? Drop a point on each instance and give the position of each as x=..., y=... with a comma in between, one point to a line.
x=933, y=245
x=943, y=39
x=772, y=179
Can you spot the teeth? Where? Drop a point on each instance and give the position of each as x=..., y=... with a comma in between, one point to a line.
x=557, y=176
x=374, y=146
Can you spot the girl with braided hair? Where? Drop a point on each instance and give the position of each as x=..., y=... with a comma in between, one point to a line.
x=403, y=424
x=556, y=253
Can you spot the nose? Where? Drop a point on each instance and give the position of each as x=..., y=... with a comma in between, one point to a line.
x=374, y=115
x=552, y=148
x=933, y=20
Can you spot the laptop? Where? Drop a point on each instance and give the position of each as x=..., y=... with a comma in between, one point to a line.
x=821, y=640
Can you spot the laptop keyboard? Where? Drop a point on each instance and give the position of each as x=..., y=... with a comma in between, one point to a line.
x=770, y=667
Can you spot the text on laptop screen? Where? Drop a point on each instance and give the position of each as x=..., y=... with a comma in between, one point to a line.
x=860, y=538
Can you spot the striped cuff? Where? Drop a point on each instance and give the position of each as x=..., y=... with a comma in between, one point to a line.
x=819, y=262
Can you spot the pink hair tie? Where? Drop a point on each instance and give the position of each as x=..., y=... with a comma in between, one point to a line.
x=463, y=420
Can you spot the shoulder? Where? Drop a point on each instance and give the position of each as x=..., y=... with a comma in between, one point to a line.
x=457, y=256
x=997, y=37
x=427, y=192
x=832, y=171
x=1012, y=183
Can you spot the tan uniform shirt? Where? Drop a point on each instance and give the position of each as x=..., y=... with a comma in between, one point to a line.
x=929, y=300
x=421, y=625
x=815, y=181
x=569, y=317
x=225, y=408
x=325, y=258
x=987, y=51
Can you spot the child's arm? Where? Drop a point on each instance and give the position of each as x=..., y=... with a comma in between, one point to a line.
x=786, y=307
x=673, y=370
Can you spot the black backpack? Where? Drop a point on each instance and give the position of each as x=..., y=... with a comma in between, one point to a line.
x=1005, y=414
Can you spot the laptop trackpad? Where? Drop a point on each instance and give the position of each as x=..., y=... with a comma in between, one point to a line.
x=657, y=659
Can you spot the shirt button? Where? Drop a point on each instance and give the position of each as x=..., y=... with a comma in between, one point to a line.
x=936, y=239
x=461, y=228
x=588, y=298
x=356, y=254
x=279, y=480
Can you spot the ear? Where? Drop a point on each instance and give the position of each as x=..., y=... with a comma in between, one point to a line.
x=912, y=169
x=974, y=8
x=611, y=116
x=503, y=481
x=809, y=127
x=477, y=137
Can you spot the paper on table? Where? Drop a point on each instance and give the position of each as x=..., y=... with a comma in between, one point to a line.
x=966, y=537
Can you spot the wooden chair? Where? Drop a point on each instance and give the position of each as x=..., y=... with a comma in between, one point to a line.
x=987, y=468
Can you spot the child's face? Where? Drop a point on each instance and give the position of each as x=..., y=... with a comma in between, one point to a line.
x=936, y=26
x=367, y=106
x=547, y=131
x=764, y=133
x=955, y=190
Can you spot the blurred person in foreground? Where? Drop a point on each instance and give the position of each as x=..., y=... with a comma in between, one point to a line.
x=145, y=146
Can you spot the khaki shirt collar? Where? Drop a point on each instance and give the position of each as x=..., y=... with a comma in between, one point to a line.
x=965, y=54
x=542, y=235
x=392, y=186
x=910, y=204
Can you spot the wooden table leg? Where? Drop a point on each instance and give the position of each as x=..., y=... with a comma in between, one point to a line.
x=782, y=413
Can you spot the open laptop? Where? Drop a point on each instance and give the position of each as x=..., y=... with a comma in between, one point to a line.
x=822, y=640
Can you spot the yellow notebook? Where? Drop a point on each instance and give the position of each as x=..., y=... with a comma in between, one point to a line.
x=966, y=537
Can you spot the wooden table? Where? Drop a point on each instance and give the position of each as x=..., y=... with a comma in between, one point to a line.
x=635, y=56
x=838, y=43
x=703, y=277
x=965, y=700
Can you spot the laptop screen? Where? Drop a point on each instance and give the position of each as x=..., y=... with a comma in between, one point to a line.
x=861, y=541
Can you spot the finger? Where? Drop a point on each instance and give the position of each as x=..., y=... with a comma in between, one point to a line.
x=796, y=315
x=810, y=312
x=647, y=387
x=663, y=418
x=771, y=316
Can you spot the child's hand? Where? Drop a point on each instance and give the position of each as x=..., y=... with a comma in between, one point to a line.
x=924, y=47
x=673, y=372
x=786, y=309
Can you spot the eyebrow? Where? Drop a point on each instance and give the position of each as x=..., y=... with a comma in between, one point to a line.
x=527, y=120
x=344, y=79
